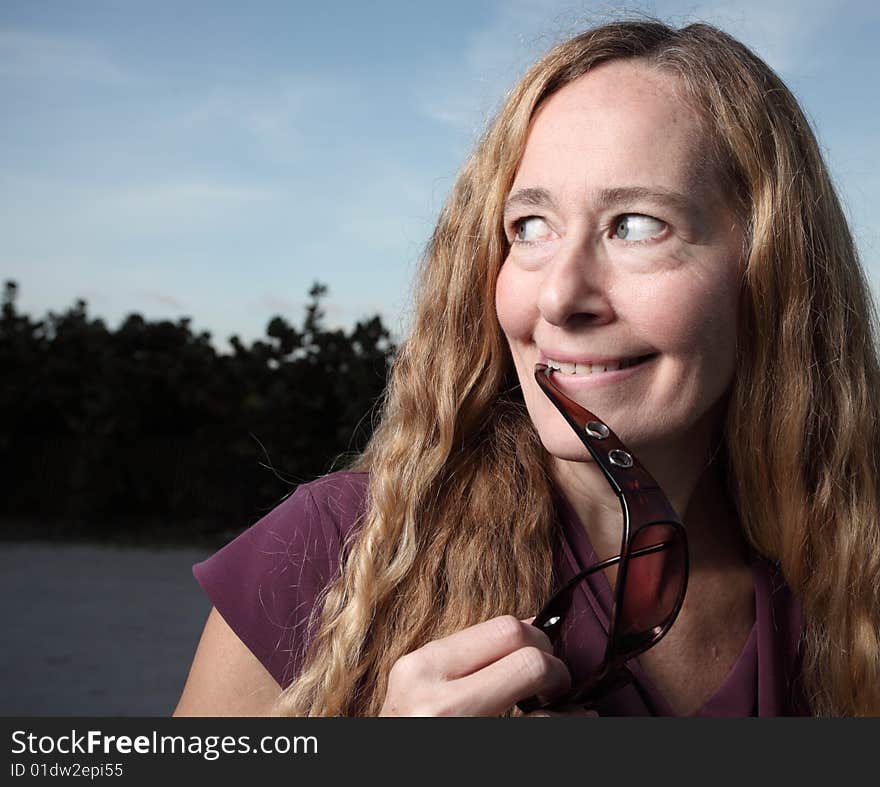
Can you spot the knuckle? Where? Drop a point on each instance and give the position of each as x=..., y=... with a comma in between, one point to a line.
x=532, y=663
x=405, y=669
x=544, y=639
x=509, y=631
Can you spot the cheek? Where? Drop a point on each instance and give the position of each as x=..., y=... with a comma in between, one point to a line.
x=513, y=305
x=693, y=320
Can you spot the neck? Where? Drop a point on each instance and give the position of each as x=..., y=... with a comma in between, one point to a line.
x=694, y=483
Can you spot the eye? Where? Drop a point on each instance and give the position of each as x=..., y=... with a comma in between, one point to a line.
x=529, y=229
x=635, y=227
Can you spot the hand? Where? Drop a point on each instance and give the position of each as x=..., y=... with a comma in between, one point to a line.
x=480, y=671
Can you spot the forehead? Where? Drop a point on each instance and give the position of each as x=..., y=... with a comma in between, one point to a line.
x=624, y=123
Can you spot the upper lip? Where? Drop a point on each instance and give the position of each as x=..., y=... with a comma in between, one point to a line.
x=566, y=357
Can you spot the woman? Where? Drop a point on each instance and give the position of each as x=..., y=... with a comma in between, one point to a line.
x=650, y=200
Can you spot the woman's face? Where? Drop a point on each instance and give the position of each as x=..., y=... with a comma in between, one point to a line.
x=623, y=249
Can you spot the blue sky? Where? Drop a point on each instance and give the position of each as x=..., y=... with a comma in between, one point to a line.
x=213, y=159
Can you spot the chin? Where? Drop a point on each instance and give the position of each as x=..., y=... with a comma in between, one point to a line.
x=561, y=442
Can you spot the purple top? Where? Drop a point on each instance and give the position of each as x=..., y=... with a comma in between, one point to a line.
x=264, y=584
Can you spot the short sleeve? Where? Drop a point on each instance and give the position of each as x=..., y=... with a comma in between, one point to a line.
x=265, y=582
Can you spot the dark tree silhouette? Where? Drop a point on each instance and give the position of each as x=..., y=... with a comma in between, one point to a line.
x=148, y=430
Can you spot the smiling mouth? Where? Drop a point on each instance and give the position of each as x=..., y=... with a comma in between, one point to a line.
x=597, y=368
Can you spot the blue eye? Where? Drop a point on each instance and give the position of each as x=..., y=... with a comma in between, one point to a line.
x=637, y=227
x=520, y=226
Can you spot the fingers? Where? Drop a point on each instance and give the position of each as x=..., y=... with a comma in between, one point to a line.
x=480, y=671
x=475, y=647
x=526, y=672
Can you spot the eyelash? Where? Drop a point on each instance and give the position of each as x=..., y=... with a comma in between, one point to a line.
x=517, y=222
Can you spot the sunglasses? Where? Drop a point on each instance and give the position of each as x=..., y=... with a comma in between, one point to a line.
x=652, y=567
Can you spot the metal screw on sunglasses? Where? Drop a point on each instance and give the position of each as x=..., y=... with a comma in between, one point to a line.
x=652, y=567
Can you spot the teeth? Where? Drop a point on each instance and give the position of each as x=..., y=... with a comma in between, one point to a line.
x=586, y=368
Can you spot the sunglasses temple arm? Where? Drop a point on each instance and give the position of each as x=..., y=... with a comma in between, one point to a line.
x=611, y=561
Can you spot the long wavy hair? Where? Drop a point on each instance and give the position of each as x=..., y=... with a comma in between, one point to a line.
x=457, y=471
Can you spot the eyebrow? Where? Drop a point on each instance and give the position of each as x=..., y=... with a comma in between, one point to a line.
x=538, y=197
x=532, y=197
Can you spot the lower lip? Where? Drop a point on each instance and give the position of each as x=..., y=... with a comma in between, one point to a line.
x=581, y=382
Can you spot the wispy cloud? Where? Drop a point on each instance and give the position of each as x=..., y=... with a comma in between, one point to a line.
x=277, y=113
x=30, y=205
x=780, y=33
x=294, y=311
x=279, y=305
x=173, y=205
x=26, y=55
x=162, y=298
x=390, y=213
x=461, y=92
x=494, y=57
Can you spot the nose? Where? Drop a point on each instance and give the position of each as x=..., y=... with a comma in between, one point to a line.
x=575, y=286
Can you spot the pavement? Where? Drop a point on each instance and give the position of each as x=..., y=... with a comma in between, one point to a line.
x=92, y=630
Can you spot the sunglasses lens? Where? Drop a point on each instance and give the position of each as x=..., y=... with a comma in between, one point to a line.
x=656, y=579
x=656, y=574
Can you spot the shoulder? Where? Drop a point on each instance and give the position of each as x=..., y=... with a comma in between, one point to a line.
x=307, y=531
x=339, y=499
x=329, y=509
x=315, y=521
x=264, y=583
